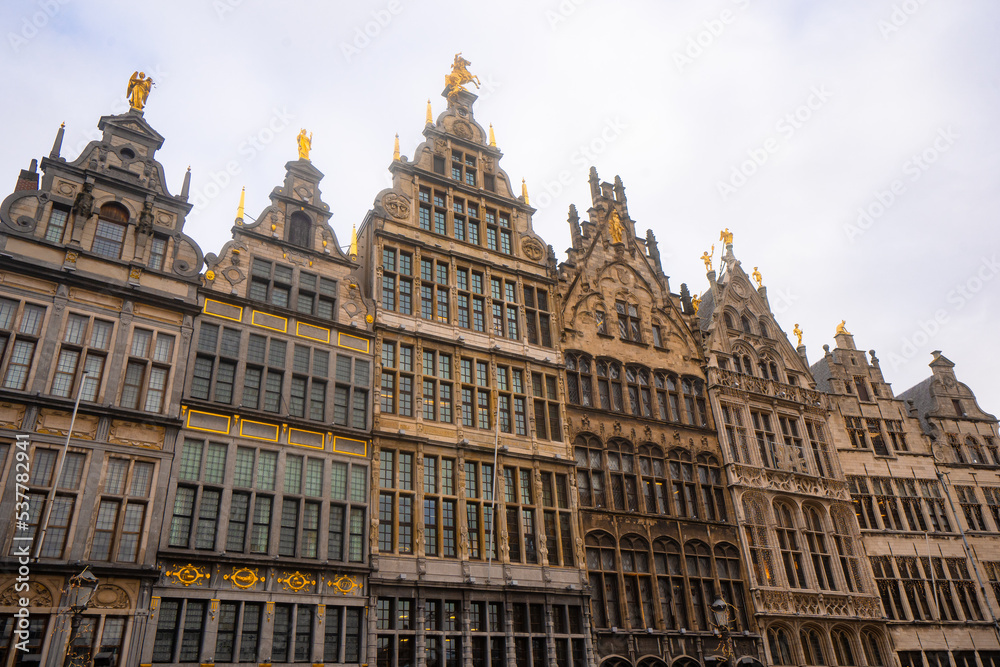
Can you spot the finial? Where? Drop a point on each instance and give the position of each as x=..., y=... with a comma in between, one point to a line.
x=493, y=139
x=239, y=211
x=57, y=144
x=395, y=149
x=305, y=144
x=186, y=187
x=430, y=116
x=138, y=89
x=524, y=192
x=354, y=244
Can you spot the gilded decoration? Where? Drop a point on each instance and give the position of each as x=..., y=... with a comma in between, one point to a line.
x=187, y=574
x=243, y=578
x=459, y=76
x=345, y=584
x=296, y=581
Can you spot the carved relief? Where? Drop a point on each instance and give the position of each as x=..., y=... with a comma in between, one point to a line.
x=109, y=596
x=37, y=594
x=532, y=249
x=396, y=205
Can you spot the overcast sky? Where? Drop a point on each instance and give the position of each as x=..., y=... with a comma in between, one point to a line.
x=852, y=147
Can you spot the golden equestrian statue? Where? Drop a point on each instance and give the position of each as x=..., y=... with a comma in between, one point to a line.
x=459, y=76
x=798, y=333
x=841, y=329
x=705, y=257
x=726, y=236
x=138, y=90
x=759, y=278
x=305, y=144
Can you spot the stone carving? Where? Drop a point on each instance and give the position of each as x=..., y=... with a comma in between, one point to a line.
x=37, y=594
x=396, y=205
x=109, y=596
x=532, y=249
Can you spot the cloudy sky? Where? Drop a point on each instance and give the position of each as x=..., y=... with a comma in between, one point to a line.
x=852, y=147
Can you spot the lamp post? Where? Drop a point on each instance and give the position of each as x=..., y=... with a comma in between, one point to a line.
x=81, y=588
x=720, y=613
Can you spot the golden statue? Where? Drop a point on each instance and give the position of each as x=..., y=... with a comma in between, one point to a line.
x=759, y=278
x=705, y=257
x=305, y=144
x=138, y=90
x=459, y=76
x=726, y=235
x=695, y=302
x=841, y=329
x=615, y=227
x=798, y=333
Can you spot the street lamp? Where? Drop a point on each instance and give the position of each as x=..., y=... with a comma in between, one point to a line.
x=720, y=613
x=81, y=589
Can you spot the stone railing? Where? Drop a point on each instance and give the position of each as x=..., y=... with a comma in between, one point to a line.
x=771, y=601
x=718, y=377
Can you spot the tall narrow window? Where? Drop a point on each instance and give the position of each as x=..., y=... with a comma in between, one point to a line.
x=109, y=235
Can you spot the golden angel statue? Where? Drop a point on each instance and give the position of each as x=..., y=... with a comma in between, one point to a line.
x=695, y=302
x=705, y=257
x=798, y=332
x=305, y=144
x=138, y=90
x=841, y=329
x=615, y=227
x=459, y=76
x=726, y=236
x=759, y=278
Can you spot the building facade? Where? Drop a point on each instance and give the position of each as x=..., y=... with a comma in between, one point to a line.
x=812, y=591
x=658, y=526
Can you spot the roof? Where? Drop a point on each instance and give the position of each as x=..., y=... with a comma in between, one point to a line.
x=822, y=373
x=705, y=310
x=922, y=398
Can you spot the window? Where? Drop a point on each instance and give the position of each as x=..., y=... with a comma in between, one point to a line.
x=214, y=374
x=264, y=374
x=505, y=319
x=434, y=289
x=438, y=401
x=639, y=395
x=475, y=399
x=694, y=401
x=84, y=348
x=653, y=479
x=812, y=646
x=765, y=438
x=479, y=483
x=698, y=563
x=628, y=321
x=56, y=228
x=819, y=552
x=601, y=320
x=316, y=296
x=44, y=463
x=976, y=454
x=875, y=435
x=668, y=400
x=440, y=507
x=559, y=543
x=395, y=530
x=396, y=639
x=971, y=507
x=894, y=427
x=498, y=236
x=519, y=501
x=196, y=507
x=609, y=385
x=888, y=587
x=21, y=341
x=638, y=582
x=736, y=433
x=590, y=471
x=992, y=494
x=778, y=646
x=307, y=395
x=579, y=381
x=157, y=253
x=180, y=629
x=397, y=281
x=682, y=484
x=537, y=320
x=755, y=529
x=350, y=394
x=602, y=566
x=822, y=459
x=343, y=634
x=713, y=497
x=670, y=584
x=909, y=498
x=121, y=510
x=292, y=640
x=471, y=300
x=397, y=379
x=349, y=495
x=792, y=454
x=248, y=527
x=442, y=630
x=238, y=638
x=727, y=562
x=299, y=532
x=109, y=236
x=548, y=423
x=862, y=388
x=621, y=474
x=299, y=229
x=843, y=651
x=856, y=431
x=848, y=550
x=657, y=336
x=270, y=283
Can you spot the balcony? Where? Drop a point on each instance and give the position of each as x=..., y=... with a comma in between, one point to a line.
x=739, y=382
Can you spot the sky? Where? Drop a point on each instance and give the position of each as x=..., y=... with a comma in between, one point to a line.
x=852, y=147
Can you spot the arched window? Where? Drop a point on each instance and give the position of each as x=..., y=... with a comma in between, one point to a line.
x=638, y=391
x=609, y=385
x=654, y=480
x=755, y=529
x=812, y=646
x=745, y=324
x=729, y=320
x=747, y=364
x=872, y=646
x=764, y=329
x=768, y=368
x=682, y=484
x=847, y=551
x=602, y=566
x=638, y=582
x=777, y=642
x=589, y=471
x=579, y=381
x=976, y=454
x=788, y=545
x=621, y=468
x=727, y=562
x=698, y=562
x=712, y=496
x=820, y=449
x=736, y=433
x=109, y=236
x=843, y=650
x=818, y=549
x=668, y=402
x=299, y=229
x=670, y=584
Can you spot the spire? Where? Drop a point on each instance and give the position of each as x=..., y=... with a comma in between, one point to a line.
x=395, y=149
x=239, y=211
x=595, y=188
x=57, y=144
x=493, y=139
x=186, y=187
x=354, y=244
x=574, y=224
x=430, y=116
x=524, y=192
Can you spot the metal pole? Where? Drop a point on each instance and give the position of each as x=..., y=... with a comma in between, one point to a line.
x=59, y=468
